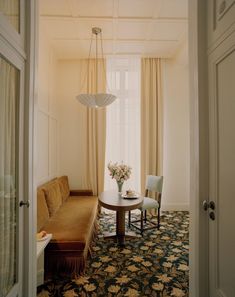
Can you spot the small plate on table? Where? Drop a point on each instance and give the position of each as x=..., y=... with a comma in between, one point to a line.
x=130, y=196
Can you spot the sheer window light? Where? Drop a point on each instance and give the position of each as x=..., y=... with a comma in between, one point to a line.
x=123, y=119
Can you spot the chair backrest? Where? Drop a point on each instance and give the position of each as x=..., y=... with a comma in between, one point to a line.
x=154, y=183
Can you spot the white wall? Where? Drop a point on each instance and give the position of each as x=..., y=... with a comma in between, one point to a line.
x=47, y=115
x=176, y=132
x=72, y=127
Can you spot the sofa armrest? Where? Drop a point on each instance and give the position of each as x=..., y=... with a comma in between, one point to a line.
x=81, y=193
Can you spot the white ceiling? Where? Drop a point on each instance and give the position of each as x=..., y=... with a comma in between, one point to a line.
x=154, y=28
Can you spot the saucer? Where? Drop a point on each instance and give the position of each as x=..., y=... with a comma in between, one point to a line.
x=130, y=196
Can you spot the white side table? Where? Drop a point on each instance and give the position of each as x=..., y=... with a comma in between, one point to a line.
x=41, y=245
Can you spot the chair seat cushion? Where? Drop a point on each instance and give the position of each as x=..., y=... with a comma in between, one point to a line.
x=149, y=203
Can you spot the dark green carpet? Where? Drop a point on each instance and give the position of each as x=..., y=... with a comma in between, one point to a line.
x=154, y=265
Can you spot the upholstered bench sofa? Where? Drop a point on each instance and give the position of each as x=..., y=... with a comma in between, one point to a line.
x=70, y=216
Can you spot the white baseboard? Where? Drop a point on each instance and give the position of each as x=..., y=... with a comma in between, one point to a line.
x=176, y=207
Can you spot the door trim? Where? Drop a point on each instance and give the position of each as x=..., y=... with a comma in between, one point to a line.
x=31, y=35
x=199, y=148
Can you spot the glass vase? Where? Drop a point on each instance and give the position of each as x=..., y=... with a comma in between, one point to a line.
x=119, y=184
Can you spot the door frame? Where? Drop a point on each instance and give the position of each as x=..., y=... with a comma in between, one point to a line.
x=198, y=253
x=199, y=146
x=199, y=149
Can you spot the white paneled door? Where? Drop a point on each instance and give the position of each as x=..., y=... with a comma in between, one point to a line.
x=10, y=171
x=222, y=170
x=11, y=150
x=221, y=204
x=16, y=252
x=212, y=57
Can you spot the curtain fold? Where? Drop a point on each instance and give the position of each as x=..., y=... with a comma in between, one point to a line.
x=151, y=118
x=95, y=121
x=8, y=88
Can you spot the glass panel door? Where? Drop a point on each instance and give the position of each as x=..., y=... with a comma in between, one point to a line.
x=9, y=194
x=11, y=9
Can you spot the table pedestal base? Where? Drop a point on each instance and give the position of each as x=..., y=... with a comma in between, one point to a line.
x=120, y=234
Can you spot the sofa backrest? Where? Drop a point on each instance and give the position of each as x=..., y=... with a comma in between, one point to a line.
x=53, y=196
x=50, y=196
x=64, y=187
x=42, y=210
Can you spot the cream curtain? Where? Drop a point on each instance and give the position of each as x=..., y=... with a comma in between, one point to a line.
x=8, y=88
x=95, y=126
x=151, y=118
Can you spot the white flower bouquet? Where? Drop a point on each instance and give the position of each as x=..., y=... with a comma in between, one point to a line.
x=120, y=172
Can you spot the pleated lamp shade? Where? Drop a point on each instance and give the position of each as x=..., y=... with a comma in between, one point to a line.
x=99, y=99
x=96, y=100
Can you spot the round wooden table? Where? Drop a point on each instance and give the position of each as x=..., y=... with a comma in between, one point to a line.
x=114, y=201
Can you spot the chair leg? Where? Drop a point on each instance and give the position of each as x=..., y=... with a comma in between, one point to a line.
x=129, y=218
x=145, y=216
x=141, y=223
x=158, y=218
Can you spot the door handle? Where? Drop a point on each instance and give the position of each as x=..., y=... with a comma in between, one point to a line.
x=212, y=205
x=212, y=215
x=205, y=205
x=22, y=203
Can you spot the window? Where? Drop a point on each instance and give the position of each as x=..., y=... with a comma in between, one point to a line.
x=123, y=119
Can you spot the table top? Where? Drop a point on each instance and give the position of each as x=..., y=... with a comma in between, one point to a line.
x=114, y=201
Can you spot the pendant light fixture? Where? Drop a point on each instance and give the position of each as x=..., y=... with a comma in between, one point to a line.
x=96, y=99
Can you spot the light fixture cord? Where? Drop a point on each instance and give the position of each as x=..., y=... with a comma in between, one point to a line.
x=96, y=63
x=96, y=66
x=88, y=65
x=104, y=70
x=86, y=76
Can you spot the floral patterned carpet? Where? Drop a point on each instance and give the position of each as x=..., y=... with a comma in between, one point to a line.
x=153, y=265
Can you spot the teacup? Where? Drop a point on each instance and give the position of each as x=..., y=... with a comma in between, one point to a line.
x=130, y=192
